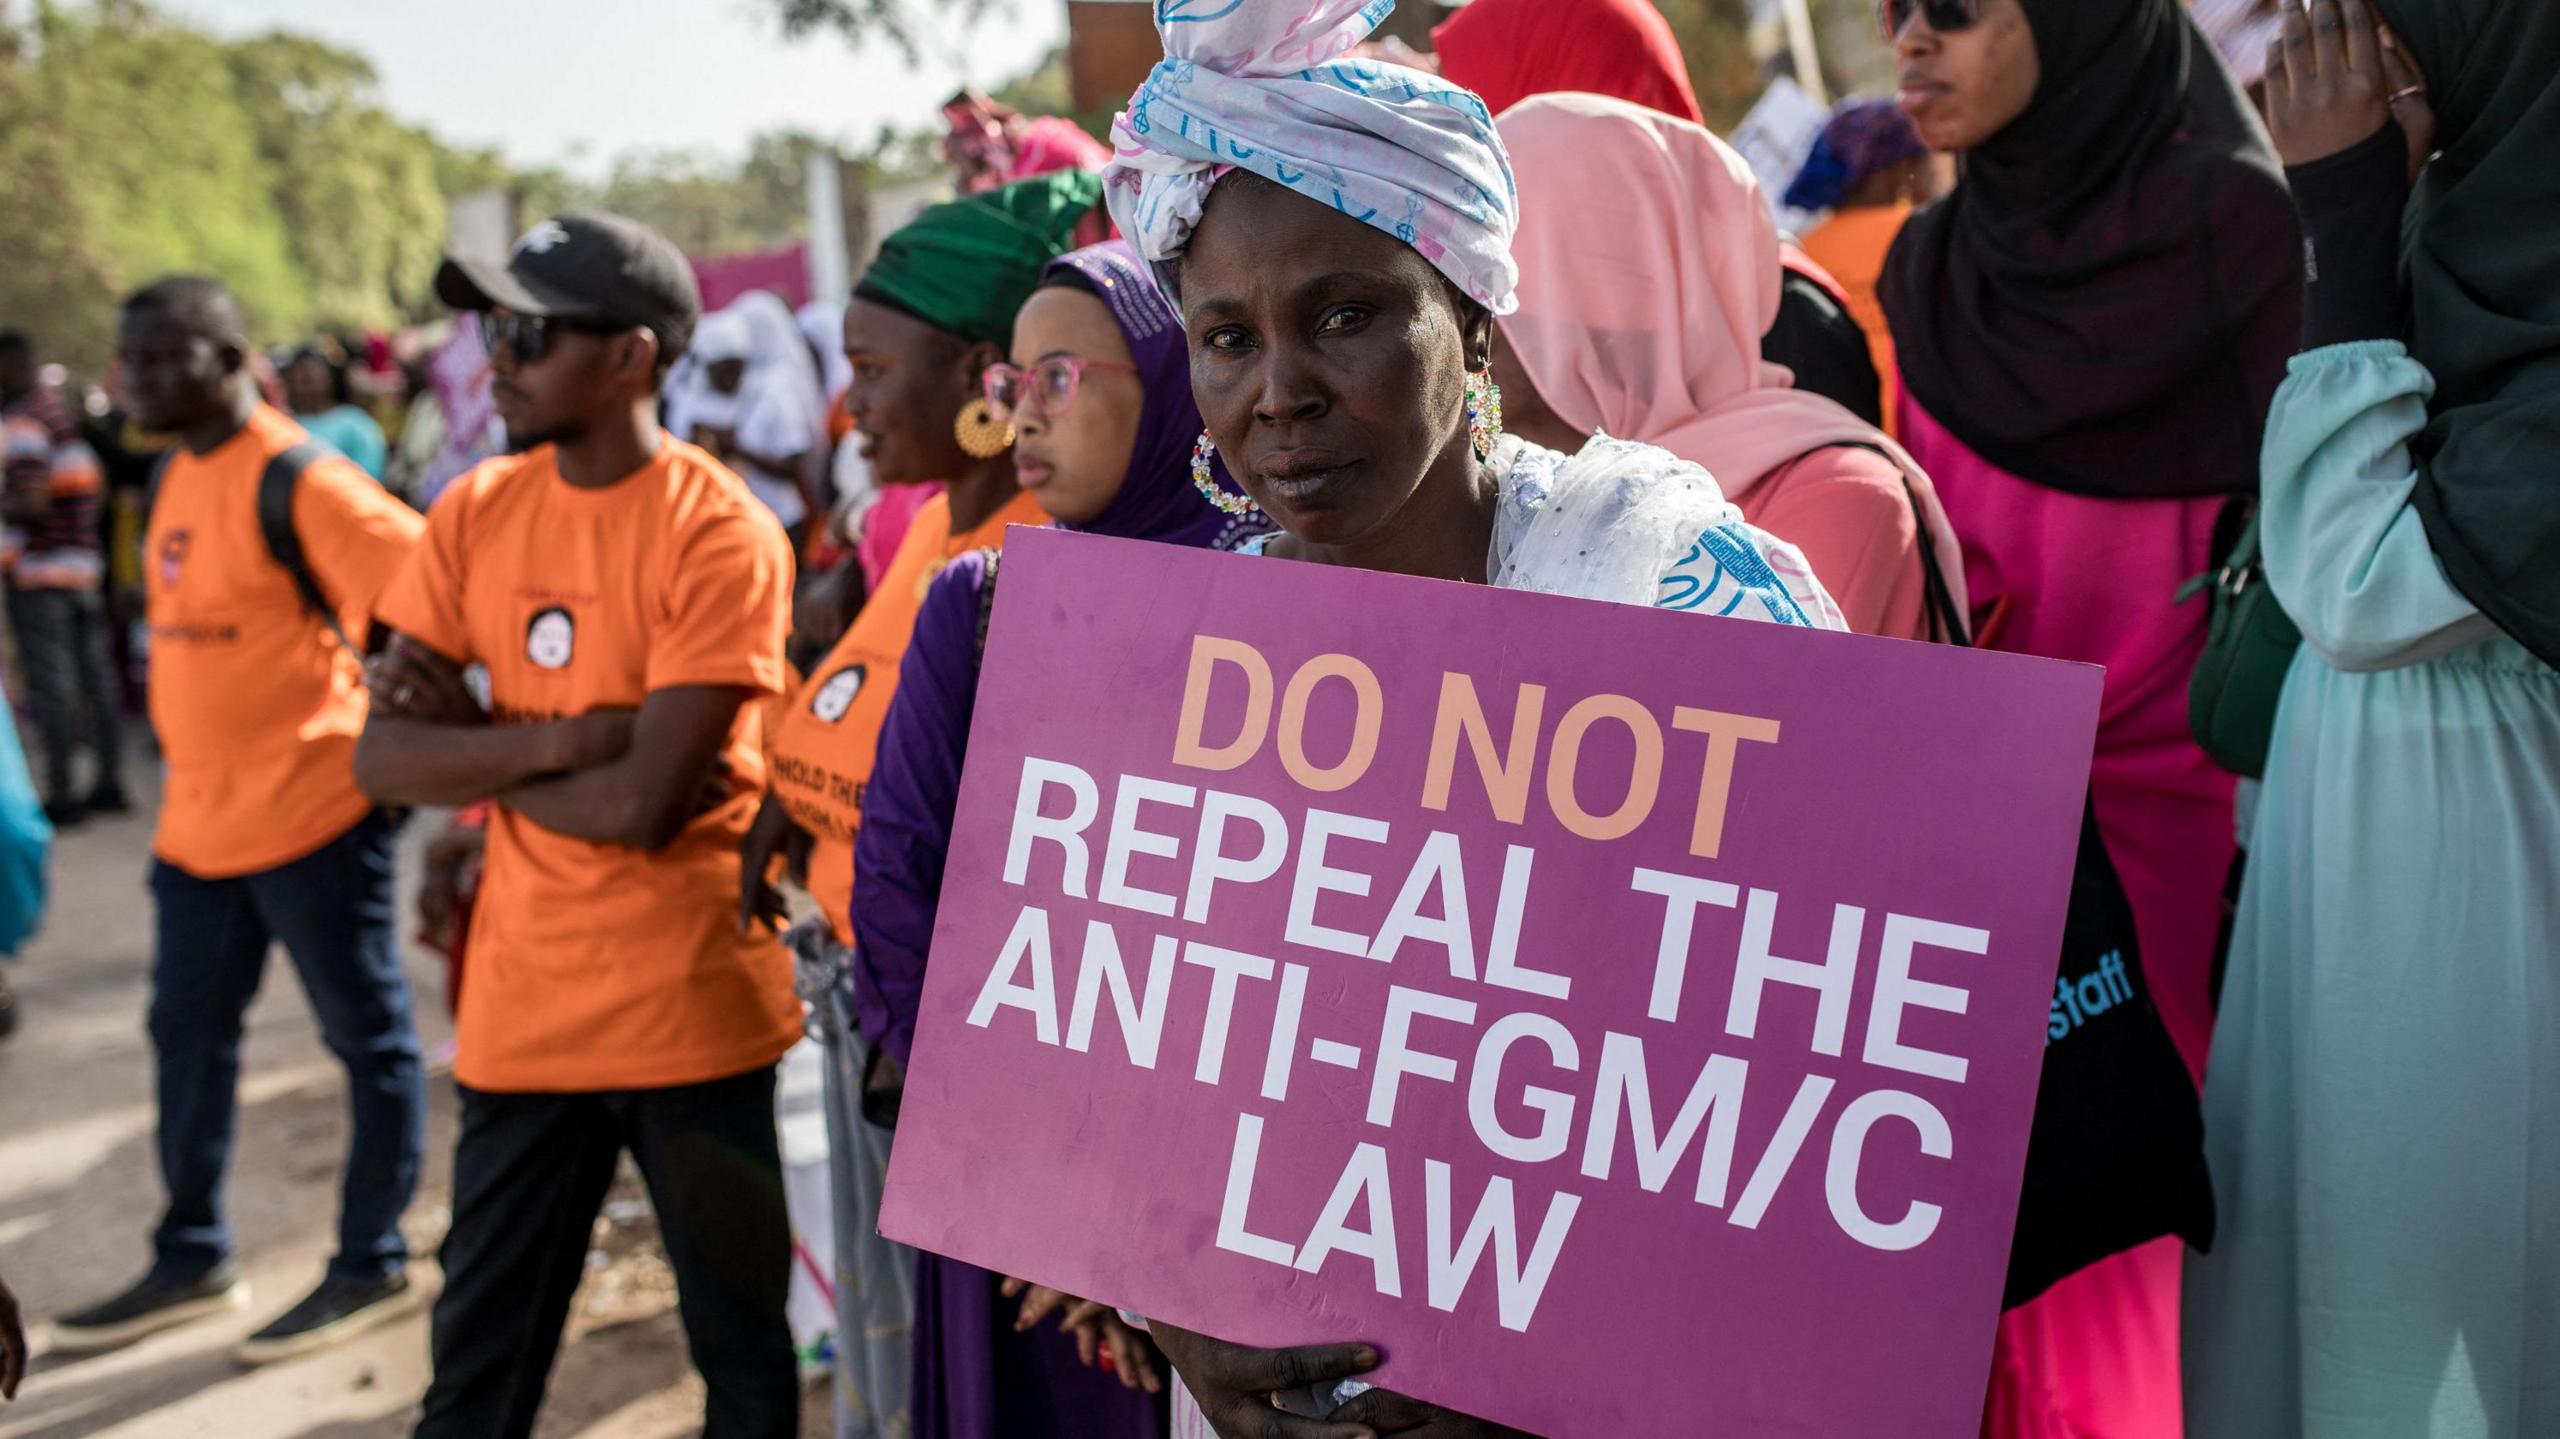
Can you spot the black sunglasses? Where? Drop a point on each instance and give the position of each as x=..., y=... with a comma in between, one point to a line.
x=1945, y=16
x=528, y=337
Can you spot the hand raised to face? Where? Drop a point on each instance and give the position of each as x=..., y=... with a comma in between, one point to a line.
x=2335, y=77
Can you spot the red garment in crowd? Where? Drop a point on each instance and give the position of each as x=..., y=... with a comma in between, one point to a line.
x=1509, y=50
x=884, y=526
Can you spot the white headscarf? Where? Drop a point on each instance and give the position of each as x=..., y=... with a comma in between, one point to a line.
x=781, y=384
x=722, y=335
x=1261, y=85
x=822, y=325
x=775, y=347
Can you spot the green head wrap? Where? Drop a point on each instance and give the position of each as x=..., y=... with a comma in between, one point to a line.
x=966, y=266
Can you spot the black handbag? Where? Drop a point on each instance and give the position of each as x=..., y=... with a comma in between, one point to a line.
x=2116, y=1155
x=2249, y=645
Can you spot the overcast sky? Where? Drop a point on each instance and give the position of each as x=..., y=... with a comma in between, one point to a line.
x=577, y=82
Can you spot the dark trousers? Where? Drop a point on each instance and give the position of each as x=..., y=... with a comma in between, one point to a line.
x=529, y=1174
x=333, y=910
x=71, y=684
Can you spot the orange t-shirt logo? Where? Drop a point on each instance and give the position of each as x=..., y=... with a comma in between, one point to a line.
x=835, y=696
x=551, y=638
x=173, y=556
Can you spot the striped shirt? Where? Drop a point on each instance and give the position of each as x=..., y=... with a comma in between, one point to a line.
x=55, y=491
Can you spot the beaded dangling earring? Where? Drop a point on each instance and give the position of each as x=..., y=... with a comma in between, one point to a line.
x=981, y=435
x=1206, y=481
x=1484, y=412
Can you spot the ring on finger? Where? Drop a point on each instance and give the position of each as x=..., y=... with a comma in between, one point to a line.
x=2403, y=93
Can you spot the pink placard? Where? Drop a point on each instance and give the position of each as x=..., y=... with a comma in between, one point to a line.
x=1627, y=1020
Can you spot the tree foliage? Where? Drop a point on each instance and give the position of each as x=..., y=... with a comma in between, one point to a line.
x=356, y=189
x=899, y=22
x=712, y=207
x=131, y=147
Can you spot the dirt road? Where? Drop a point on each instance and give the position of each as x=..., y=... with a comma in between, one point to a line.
x=79, y=1192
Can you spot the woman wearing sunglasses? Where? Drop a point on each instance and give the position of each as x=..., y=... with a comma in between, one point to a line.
x=1099, y=396
x=2089, y=331
x=933, y=311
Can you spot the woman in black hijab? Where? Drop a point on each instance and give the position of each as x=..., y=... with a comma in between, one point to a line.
x=2089, y=328
x=2381, y=1116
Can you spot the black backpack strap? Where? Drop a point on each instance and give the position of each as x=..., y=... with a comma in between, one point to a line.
x=284, y=544
x=159, y=472
x=1950, y=622
x=1944, y=617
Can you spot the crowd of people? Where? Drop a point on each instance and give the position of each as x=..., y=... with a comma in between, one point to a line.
x=2087, y=316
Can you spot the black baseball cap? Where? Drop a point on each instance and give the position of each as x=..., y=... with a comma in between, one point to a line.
x=589, y=266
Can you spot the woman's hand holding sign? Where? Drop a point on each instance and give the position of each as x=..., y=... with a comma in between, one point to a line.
x=1390, y=1413
x=1239, y=1387
x=1102, y=1336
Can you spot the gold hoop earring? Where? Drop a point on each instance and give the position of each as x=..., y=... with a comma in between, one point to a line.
x=981, y=435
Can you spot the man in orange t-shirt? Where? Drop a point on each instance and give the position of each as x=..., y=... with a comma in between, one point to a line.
x=629, y=599
x=263, y=835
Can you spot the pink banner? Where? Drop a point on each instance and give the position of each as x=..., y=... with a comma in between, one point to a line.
x=724, y=278
x=1629, y=1021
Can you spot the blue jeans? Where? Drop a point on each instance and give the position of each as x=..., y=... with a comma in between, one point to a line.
x=334, y=910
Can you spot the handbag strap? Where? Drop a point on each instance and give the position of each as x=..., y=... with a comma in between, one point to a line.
x=1946, y=622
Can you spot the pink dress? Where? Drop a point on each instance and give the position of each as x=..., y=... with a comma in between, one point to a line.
x=2075, y=578
x=885, y=524
x=1847, y=510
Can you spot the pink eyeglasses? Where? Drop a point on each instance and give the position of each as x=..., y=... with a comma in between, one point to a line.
x=1051, y=384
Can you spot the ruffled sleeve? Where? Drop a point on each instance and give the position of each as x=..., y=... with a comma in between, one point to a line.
x=2345, y=548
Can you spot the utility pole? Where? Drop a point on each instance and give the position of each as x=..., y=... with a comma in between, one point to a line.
x=1798, y=16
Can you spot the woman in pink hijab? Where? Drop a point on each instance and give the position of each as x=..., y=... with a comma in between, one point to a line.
x=1646, y=326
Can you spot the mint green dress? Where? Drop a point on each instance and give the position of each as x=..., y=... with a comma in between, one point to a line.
x=2382, y=1107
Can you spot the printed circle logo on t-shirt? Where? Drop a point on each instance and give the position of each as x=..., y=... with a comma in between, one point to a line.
x=835, y=696
x=551, y=638
x=173, y=555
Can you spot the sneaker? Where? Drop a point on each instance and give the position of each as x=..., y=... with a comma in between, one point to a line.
x=147, y=1308
x=108, y=799
x=338, y=1309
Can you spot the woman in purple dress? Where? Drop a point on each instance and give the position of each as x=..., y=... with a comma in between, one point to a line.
x=1099, y=394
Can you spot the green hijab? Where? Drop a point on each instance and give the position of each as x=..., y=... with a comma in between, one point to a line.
x=966, y=266
x=2483, y=269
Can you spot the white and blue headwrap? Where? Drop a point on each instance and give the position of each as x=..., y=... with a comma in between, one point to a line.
x=1262, y=85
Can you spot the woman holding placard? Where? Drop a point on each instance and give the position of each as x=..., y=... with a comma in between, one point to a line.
x=1338, y=260
x=933, y=311
x=1099, y=399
